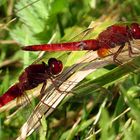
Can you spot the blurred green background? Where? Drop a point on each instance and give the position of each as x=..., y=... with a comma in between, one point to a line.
x=24, y=22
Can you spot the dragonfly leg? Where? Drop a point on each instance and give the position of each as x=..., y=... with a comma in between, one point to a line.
x=47, y=105
x=57, y=88
x=131, y=50
x=117, y=53
x=43, y=88
x=42, y=91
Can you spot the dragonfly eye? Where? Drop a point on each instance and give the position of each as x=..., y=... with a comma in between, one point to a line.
x=135, y=30
x=55, y=66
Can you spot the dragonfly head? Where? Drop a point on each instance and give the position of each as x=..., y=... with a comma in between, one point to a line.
x=135, y=30
x=55, y=66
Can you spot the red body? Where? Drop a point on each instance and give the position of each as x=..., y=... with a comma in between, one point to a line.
x=31, y=78
x=113, y=36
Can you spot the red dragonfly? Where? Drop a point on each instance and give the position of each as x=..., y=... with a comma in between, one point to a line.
x=32, y=76
x=115, y=35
